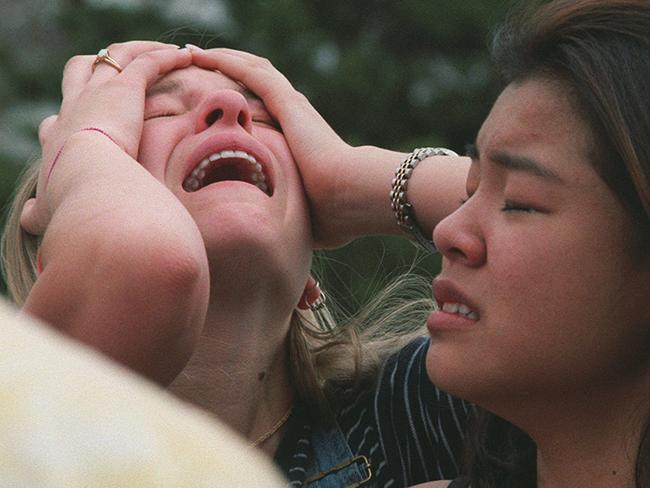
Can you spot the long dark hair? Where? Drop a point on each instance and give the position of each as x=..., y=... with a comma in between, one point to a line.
x=600, y=49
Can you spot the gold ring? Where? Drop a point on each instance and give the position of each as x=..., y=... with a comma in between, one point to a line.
x=103, y=56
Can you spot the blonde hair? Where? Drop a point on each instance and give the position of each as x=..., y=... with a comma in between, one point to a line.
x=328, y=368
x=18, y=249
x=331, y=369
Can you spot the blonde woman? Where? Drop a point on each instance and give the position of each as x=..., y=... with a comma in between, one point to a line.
x=167, y=227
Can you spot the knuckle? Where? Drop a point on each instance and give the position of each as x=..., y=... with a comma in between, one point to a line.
x=130, y=84
x=143, y=44
x=115, y=46
x=301, y=98
x=75, y=61
x=265, y=63
x=147, y=56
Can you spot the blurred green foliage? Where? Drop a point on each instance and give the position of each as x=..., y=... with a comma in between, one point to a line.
x=395, y=73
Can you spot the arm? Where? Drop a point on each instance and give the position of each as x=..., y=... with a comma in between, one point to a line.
x=124, y=267
x=435, y=190
x=347, y=186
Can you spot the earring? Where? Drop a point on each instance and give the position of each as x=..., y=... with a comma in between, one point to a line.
x=322, y=314
x=313, y=299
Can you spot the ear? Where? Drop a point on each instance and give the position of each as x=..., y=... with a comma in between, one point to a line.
x=309, y=295
x=29, y=220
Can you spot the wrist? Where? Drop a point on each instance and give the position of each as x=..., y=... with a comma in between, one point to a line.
x=80, y=132
x=362, y=204
x=77, y=166
x=400, y=204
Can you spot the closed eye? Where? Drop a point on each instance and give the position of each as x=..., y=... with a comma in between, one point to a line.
x=272, y=124
x=159, y=115
x=511, y=206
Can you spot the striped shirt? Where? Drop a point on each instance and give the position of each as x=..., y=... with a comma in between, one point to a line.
x=409, y=430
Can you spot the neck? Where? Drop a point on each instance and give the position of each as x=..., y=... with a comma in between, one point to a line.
x=591, y=439
x=239, y=371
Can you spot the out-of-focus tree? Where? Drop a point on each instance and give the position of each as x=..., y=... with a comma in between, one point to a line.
x=396, y=73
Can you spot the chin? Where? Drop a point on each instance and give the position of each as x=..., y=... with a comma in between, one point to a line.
x=460, y=374
x=237, y=233
x=254, y=256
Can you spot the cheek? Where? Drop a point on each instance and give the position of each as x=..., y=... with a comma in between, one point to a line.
x=561, y=313
x=276, y=143
x=156, y=146
x=550, y=259
x=296, y=197
x=567, y=293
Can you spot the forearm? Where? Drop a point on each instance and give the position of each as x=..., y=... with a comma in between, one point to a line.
x=120, y=254
x=435, y=189
x=101, y=195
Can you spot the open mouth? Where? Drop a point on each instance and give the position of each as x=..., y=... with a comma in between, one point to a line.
x=228, y=165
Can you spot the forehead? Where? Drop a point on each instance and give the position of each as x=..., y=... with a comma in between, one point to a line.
x=193, y=78
x=538, y=116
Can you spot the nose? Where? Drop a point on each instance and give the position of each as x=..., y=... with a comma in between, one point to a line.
x=459, y=238
x=225, y=108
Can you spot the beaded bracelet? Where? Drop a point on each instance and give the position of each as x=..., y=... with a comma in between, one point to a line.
x=403, y=209
x=58, y=153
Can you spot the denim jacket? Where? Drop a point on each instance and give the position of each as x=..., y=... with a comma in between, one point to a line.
x=333, y=464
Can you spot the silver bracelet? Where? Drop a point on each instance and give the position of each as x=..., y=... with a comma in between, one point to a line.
x=403, y=209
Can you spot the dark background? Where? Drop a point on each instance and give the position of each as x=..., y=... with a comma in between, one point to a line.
x=399, y=74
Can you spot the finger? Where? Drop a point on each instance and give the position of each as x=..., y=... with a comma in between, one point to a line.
x=76, y=74
x=246, y=57
x=141, y=46
x=235, y=52
x=287, y=105
x=123, y=54
x=149, y=66
x=45, y=127
x=257, y=73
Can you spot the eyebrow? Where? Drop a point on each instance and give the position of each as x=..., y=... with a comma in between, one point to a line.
x=517, y=163
x=165, y=87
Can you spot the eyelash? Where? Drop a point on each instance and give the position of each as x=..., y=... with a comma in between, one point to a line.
x=269, y=123
x=162, y=114
x=510, y=206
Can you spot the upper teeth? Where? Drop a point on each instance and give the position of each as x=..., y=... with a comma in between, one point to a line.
x=194, y=180
x=459, y=308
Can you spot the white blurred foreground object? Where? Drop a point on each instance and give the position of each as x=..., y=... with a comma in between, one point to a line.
x=70, y=418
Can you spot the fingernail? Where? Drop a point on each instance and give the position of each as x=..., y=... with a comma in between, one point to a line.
x=192, y=47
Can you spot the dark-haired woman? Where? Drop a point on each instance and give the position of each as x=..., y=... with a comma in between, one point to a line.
x=545, y=316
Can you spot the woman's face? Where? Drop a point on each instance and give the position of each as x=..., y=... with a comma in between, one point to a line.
x=545, y=261
x=214, y=145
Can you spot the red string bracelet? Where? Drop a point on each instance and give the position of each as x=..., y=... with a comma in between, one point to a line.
x=58, y=154
x=39, y=261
